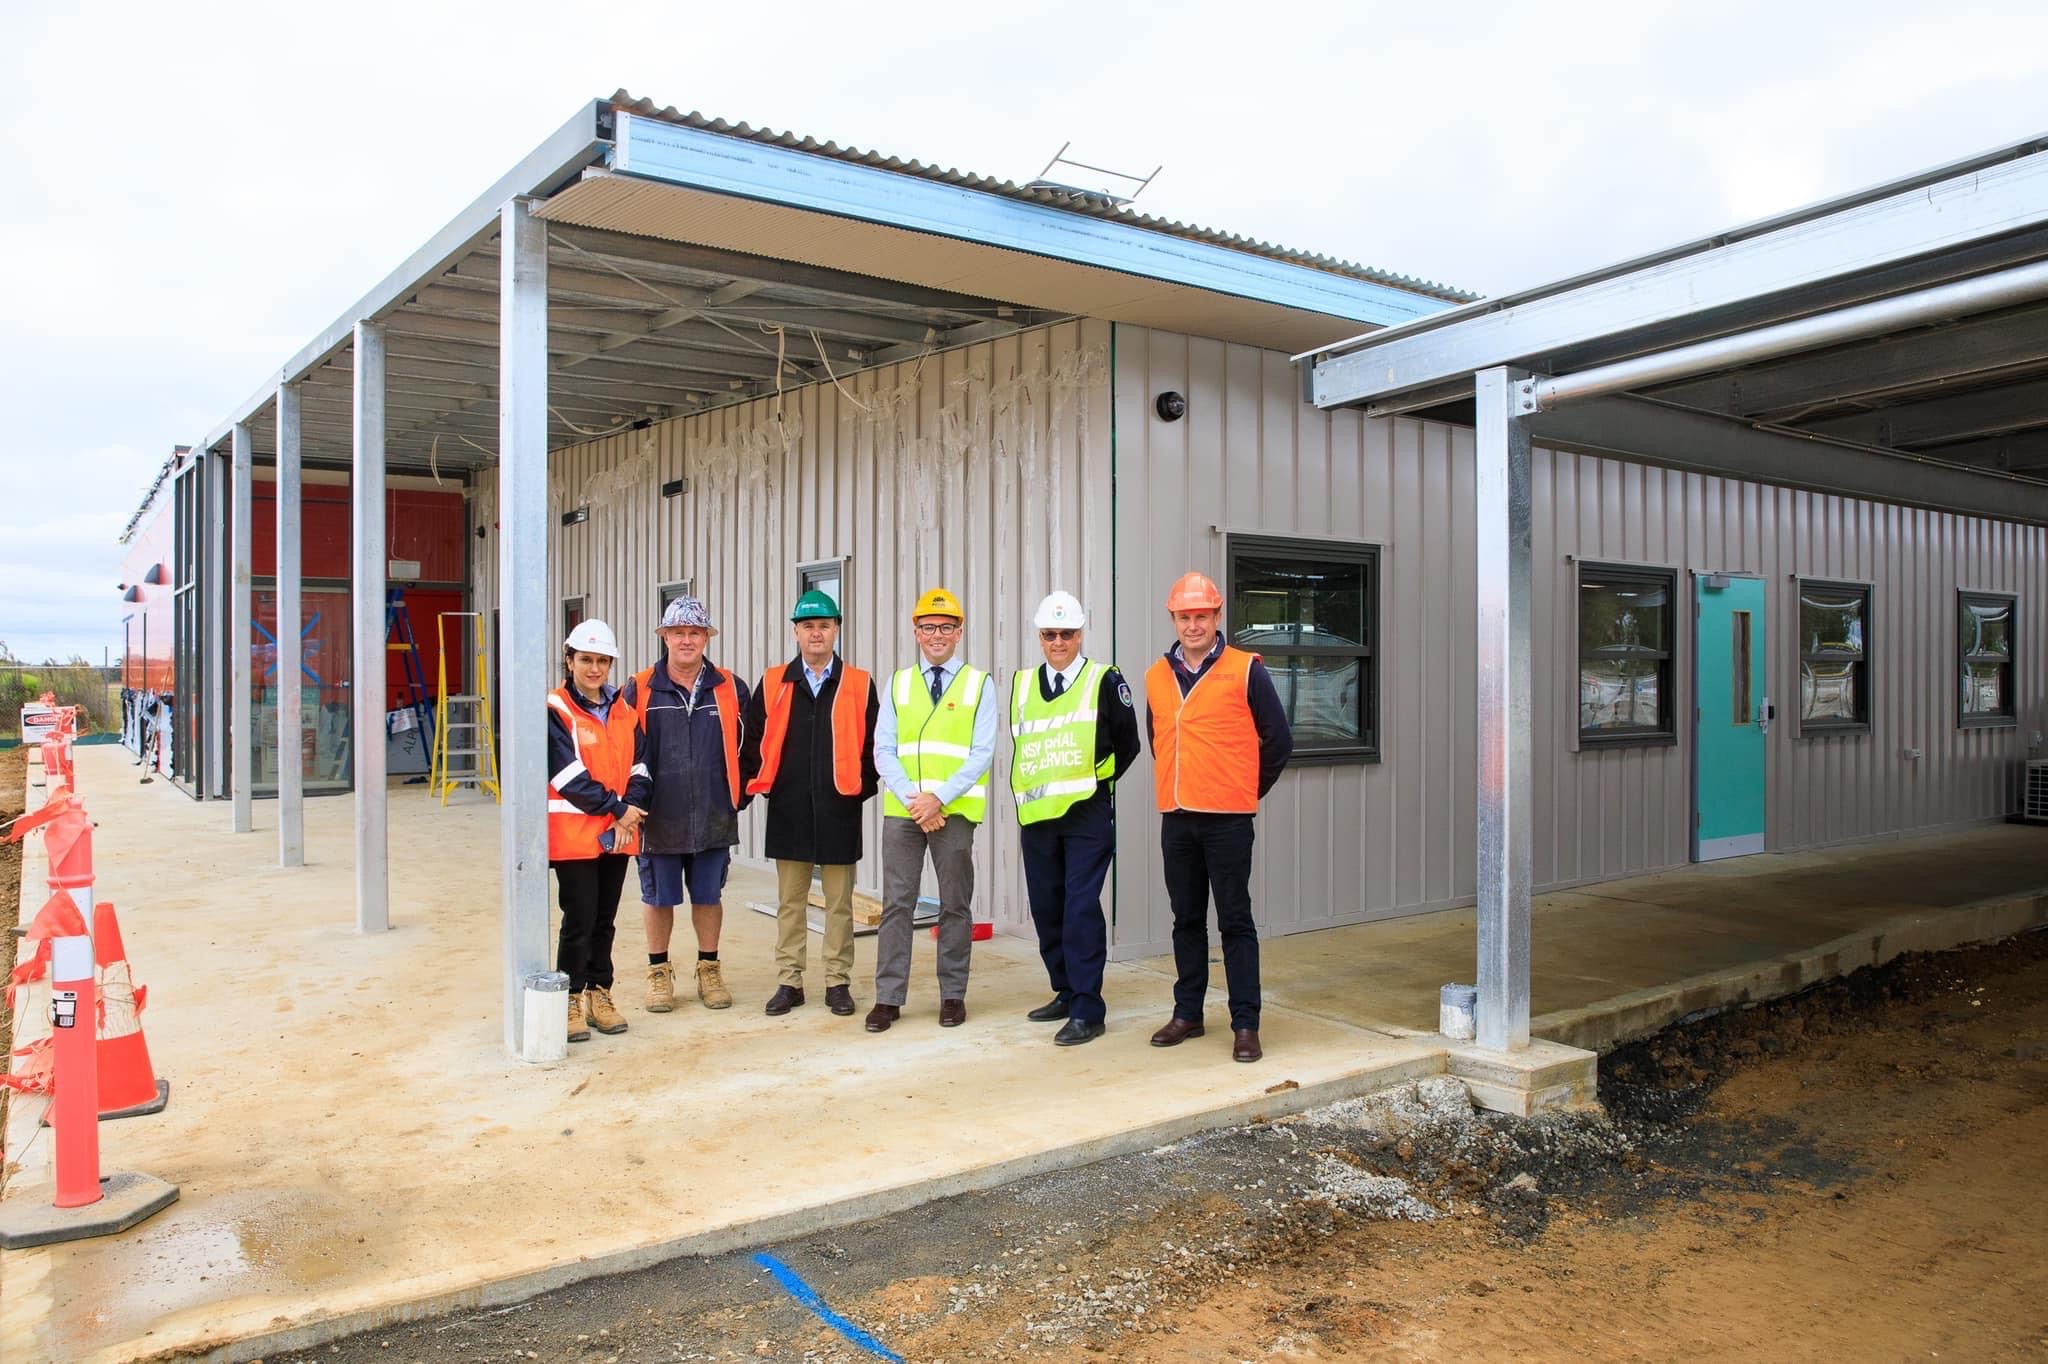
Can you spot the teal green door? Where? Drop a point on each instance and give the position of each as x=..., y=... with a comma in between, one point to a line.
x=1732, y=719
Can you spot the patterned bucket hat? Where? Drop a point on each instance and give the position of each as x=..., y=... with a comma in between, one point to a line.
x=687, y=611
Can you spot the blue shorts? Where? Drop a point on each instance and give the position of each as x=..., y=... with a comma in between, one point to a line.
x=665, y=876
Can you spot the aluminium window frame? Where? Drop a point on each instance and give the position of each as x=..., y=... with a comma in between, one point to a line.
x=1676, y=628
x=1867, y=704
x=1344, y=550
x=2009, y=718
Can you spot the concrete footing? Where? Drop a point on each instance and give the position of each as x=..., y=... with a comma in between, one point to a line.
x=28, y=1218
x=1542, y=1077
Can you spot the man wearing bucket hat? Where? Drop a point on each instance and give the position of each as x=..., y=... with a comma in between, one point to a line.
x=809, y=746
x=690, y=711
x=1220, y=739
x=934, y=742
x=1075, y=733
x=596, y=800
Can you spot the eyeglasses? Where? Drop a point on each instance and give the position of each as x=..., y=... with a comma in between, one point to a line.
x=939, y=628
x=1061, y=635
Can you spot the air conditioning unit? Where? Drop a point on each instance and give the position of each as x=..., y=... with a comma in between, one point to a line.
x=2034, y=800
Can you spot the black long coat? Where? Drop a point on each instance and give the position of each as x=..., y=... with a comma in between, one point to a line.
x=808, y=820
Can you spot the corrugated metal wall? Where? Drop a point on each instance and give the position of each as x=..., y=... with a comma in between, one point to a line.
x=1343, y=843
x=983, y=469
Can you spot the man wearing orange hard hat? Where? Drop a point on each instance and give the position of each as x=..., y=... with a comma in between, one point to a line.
x=1220, y=739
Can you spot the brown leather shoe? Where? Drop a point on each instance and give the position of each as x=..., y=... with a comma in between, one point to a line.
x=881, y=1016
x=952, y=1012
x=785, y=998
x=1176, y=1031
x=1244, y=1045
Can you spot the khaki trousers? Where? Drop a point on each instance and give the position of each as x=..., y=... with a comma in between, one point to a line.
x=793, y=924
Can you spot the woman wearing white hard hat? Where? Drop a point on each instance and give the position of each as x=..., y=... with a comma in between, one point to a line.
x=597, y=796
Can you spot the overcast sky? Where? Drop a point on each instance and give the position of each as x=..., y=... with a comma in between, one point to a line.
x=191, y=191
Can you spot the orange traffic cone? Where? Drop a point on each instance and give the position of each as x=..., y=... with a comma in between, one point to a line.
x=129, y=1087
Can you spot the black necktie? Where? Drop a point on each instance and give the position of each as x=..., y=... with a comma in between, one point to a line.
x=938, y=681
x=1059, y=684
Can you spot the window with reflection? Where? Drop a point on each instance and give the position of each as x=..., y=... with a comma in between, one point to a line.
x=1310, y=609
x=1984, y=653
x=1834, y=658
x=1626, y=627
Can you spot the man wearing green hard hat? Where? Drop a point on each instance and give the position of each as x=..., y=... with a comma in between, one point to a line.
x=810, y=749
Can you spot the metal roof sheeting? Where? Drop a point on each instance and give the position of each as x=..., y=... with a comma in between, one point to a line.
x=1072, y=201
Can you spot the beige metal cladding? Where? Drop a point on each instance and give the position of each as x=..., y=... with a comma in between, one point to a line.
x=983, y=469
x=1339, y=844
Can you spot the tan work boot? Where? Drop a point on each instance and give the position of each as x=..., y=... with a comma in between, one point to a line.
x=579, y=1031
x=661, y=987
x=603, y=1017
x=711, y=986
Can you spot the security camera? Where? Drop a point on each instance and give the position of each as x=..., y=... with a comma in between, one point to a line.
x=1171, y=407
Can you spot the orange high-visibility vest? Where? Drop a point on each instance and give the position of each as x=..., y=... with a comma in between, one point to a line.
x=1205, y=747
x=728, y=697
x=849, y=728
x=606, y=753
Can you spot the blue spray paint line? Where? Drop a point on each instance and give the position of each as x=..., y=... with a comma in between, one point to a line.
x=808, y=1296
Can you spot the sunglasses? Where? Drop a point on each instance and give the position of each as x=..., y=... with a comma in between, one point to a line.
x=1061, y=635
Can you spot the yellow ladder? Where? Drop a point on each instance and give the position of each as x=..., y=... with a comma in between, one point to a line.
x=462, y=720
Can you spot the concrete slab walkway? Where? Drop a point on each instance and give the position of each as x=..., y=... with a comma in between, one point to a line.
x=353, y=1147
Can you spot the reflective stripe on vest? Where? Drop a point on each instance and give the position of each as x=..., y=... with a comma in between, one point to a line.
x=727, y=697
x=935, y=738
x=605, y=753
x=849, y=728
x=1205, y=746
x=1054, y=767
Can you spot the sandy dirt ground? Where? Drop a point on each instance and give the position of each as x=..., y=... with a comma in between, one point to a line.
x=1854, y=1173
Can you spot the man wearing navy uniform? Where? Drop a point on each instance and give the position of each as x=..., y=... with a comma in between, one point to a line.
x=1075, y=733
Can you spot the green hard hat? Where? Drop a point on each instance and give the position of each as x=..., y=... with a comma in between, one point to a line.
x=815, y=605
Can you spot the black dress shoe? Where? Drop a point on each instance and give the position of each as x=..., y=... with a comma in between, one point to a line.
x=1076, y=1032
x=952, y=1012
x=881, y=1016
x=1176, y=1031
x=1046, y=1013
x=785, y=998
x=839, y=999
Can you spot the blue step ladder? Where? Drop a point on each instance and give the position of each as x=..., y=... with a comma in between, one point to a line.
x=398, y=639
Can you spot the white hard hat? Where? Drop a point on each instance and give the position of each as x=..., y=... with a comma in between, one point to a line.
x=1059, y=611
x=592, y=637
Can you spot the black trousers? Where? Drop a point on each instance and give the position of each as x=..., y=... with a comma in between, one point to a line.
x=1211, y=854
x=1065, y=863
x=590, y=915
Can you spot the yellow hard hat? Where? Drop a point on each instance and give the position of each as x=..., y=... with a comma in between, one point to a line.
x=938, y=602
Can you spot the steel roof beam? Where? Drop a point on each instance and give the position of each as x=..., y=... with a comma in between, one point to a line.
x=1651, y=432
x=2024, y=452
x=1887, y=365
x=1788, y=265
x=2016, y=407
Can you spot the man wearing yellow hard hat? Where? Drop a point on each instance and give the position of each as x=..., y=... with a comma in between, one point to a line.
x=935, y=737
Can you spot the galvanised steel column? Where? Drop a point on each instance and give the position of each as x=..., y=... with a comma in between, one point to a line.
x=1506, y=792
x=367, y=574
x=291, y=751
x=523, y=601
x=213, y=580
x=241, y=743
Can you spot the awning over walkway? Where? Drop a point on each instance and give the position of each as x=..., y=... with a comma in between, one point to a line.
x=1891, y=344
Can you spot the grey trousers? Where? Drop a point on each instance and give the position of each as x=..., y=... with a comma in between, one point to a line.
x=904, y=846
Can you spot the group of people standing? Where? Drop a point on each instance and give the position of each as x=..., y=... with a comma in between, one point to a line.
x=658, y=769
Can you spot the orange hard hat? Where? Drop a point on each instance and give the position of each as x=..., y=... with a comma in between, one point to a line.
x=1193, y=592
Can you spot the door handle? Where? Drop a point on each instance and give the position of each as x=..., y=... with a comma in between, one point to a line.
x=1765, y=713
